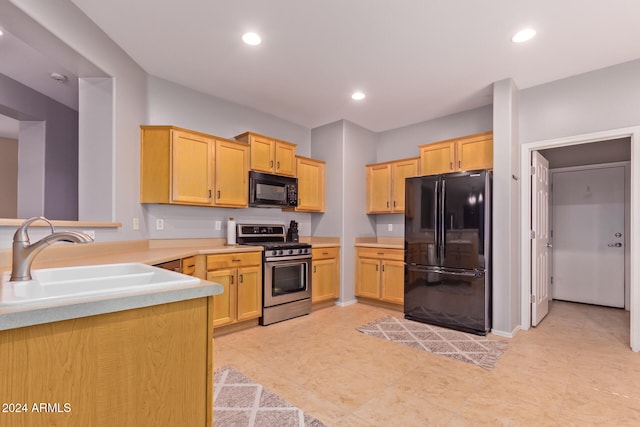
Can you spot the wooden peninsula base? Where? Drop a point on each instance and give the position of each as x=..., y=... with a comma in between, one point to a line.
x=151, y=366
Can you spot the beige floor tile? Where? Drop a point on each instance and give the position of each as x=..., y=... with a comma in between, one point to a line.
x=575, y=368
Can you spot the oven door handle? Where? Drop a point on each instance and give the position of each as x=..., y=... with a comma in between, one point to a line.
x=287, y=258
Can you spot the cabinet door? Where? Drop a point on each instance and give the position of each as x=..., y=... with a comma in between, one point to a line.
x=223, y=307
x=311, y=177
x=323, y=281
x=285, y=159
x=249, y=293
x=475, y=152
x=392, y=289
x=368, y=284
x=232, y=169
x=262, y=153
x=191, y=168
x=379, y=188
x=401, y=170
x=437, y=158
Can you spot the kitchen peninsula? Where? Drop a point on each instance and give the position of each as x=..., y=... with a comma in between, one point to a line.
x=130, y=359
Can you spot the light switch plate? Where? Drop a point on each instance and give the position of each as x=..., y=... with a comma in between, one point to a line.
x=390, y=227
x=218, y=225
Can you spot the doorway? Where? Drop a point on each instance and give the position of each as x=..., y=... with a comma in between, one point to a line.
x=588, y=211
x=632, y=137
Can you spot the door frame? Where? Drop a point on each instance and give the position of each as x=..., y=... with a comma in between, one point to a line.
x=634, y=232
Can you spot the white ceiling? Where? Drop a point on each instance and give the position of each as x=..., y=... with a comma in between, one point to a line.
x=415, y=59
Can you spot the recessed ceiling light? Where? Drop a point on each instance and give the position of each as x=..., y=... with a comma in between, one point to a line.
x=60, y=78
x=251, y=39
x=358, y=96
x=1, y=33
x=523, y=35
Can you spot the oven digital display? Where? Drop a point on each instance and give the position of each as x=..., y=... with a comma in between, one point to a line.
x=288, y=279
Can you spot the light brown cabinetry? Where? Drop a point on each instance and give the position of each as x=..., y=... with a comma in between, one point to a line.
x=385, y=185
x=179, y=166
x=466, y=153
x=270, y=155
x=311, y=184
x=380, y=274
x=325, y=282
x=240, y=274
x=151, y=366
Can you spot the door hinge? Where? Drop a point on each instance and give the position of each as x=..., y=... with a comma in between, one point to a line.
x=533, y=170
x=551, y=280
x=532, y=234
x=533, y=299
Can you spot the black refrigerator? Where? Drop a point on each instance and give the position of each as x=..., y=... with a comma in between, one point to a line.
x=448, y=250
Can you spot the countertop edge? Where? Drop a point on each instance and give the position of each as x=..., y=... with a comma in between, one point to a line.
x=35, y=315
x=379, y=245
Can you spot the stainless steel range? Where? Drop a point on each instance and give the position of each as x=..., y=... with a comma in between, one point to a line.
x=286, y=271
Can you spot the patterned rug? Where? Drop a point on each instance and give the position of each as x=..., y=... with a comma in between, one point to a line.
x=461, y=346
x=239, y=401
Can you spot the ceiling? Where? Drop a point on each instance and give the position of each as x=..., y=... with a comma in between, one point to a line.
x=415, y=60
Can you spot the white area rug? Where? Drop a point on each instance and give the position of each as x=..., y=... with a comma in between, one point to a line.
x=475, y=349
x=239, y=401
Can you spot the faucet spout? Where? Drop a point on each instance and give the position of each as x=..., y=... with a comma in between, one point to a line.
x=24, y=252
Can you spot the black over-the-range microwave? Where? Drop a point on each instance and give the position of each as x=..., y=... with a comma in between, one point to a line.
x=268, y=190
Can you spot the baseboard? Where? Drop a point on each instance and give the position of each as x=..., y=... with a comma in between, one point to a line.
x=346, y=303
x=506, y=334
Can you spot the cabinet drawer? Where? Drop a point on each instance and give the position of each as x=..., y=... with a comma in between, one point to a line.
x=324, y=253
x=215, y=262
x=381, y=253
x=189, y=266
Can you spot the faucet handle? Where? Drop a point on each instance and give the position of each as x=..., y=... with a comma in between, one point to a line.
x=21, y=234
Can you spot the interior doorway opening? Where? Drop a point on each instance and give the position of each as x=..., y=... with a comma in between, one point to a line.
x=579, y=146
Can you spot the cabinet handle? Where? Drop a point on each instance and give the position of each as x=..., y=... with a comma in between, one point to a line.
x=376, y=267
x=236, y=260
x=380, y=253
x=270, y=163
x=383, y=268
x=314, y=268
x=387, y=203
x=231, y=279
x=209, y=193
x=325, y=253
x=241, y=278
x=459, y=164
x=394, y=203
x=451, y=165
x=278, y=167
x=218, y=194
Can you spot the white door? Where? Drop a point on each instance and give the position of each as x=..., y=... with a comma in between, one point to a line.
x=588, y=236
x=540, y=275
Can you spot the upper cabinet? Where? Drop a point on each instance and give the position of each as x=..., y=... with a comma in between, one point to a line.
x=270, y=155
x=311, y=184
x=385, y=185
x=466, y=153
x=179, y=166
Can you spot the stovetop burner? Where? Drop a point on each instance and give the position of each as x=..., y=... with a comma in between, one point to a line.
x=272, y=237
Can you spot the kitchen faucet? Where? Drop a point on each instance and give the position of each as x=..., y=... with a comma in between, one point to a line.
x=24, y=252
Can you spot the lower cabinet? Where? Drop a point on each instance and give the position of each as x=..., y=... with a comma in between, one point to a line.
x=241, y=276
x=380, y=274
x=325, y=281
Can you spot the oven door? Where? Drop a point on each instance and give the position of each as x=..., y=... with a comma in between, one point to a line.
x=286, y=280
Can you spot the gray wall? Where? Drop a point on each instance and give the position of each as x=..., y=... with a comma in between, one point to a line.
x=173, y=104
x=56, y=195
x=403, y=142
x=608, y=98
x=8, y=178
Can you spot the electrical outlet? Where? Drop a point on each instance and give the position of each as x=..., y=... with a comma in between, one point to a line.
x=90, y=233
x=218, y=225
x=159, y=224
x=390, y=227
x=136, y=223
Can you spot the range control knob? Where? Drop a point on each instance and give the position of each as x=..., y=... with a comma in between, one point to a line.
x=290, y=251
x=279, y=252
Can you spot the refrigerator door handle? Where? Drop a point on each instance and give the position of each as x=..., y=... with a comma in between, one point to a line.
x=442, y=224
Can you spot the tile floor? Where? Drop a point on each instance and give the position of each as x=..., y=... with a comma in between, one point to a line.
x=575, y=369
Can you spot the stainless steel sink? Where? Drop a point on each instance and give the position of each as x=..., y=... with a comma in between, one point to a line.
x=58, y=284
